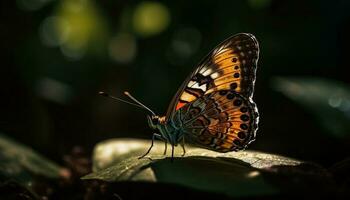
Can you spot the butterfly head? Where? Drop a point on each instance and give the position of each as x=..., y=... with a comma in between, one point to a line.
x=153, y=121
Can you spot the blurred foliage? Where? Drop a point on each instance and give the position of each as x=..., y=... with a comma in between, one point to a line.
x=78, y=27
x=235, y=174
x=328, y=100
x=32, y=5
x=259, y=4
x=150, y=18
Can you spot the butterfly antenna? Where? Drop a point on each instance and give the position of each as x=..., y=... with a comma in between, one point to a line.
x=133, y=98
x=118, y=99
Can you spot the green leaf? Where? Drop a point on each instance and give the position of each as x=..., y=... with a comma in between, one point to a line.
x=244, y=173
x=19, y=162
x=328, y=100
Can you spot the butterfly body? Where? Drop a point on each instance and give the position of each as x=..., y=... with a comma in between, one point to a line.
x=214, y=107
x=169, y=131
x=207, y=124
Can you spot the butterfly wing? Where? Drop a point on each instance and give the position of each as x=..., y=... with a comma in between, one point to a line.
x=221, y=121
x=231, y=65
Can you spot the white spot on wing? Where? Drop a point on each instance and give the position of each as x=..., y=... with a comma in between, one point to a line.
x=202, y=87
x=207, y=72
x=202, y=70
x=191, y=83
x=214, y=75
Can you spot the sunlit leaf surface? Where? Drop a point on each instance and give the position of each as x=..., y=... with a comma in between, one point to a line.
x=245, y=173
x=328, y=100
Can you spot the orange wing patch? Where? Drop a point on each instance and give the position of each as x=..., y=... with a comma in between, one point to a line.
x=180, y=105
x=230, y=66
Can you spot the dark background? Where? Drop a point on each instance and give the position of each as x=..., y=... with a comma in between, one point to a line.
x=57, y=55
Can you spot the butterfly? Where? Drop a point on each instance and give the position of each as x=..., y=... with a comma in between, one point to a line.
x=213, y=108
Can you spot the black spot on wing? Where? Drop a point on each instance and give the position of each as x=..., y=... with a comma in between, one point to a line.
x=195, y=91
x=200, y=79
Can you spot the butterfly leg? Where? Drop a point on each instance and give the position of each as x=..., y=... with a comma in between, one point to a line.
x=149, y=150
x=183, y=146
x=166, y=146
x=172, y=153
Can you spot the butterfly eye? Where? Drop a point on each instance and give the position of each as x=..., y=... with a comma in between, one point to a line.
x=154, y=120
